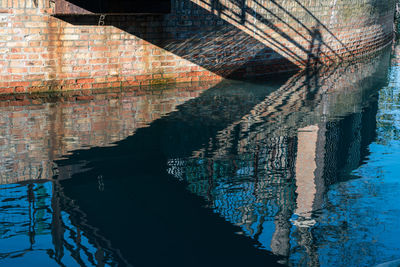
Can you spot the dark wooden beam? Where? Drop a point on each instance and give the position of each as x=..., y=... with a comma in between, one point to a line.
x=93, y=7
x=65, y=7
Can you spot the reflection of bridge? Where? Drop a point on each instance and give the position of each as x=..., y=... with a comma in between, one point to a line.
x=250, y=172
x=255, y=155
x=268, y=166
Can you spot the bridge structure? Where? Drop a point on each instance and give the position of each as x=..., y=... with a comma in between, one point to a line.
x=49, y=45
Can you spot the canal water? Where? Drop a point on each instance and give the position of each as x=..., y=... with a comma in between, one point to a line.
x=300, y=171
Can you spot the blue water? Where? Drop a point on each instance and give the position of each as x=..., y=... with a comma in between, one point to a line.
x=300, y=171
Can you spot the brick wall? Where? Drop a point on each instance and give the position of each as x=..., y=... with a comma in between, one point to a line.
x=198, y=41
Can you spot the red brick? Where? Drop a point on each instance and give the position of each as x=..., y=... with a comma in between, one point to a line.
x=41, y=47
x=89, y=80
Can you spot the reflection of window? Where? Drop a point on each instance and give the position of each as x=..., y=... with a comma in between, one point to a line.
x=81, y=7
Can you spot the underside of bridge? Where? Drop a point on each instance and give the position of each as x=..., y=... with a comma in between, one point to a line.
x=85, y=7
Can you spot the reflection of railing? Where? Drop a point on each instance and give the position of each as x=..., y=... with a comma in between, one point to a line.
x=247, y=172
x=247, y=188
x=77, y=224
x=43, y=210
x=335, y=91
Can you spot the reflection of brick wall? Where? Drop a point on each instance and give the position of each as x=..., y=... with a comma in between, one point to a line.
x=35, y=134
x=199, y=40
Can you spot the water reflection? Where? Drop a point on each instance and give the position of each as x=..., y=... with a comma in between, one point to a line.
x=240, y=174
x=37, y=129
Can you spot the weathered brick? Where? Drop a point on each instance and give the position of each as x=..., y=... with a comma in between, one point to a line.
x=188, y=46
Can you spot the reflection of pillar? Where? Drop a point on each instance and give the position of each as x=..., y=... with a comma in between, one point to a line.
x=32, y=214
x=210, y=167
x=99, y=255
x=280, y=241
x=306, y=240
x=310, y=185
x=57, y=228
x=306, y=166
x=310, y=164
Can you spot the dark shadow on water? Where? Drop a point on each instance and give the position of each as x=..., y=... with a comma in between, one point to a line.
x=129, y=195
x=136, y=193
x=144, y=212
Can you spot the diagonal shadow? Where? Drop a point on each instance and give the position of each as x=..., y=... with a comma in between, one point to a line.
x=228, y=37
x=220, y=48
x=223, y=41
